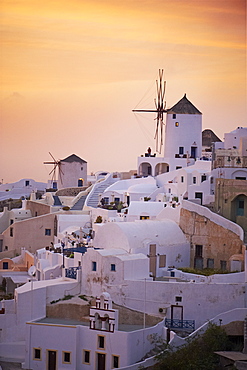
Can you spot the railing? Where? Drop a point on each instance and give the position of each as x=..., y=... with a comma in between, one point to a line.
x=228, y=160
x=180, y=324
x=71, y=272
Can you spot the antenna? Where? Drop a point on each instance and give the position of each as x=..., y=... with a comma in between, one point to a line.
x=160, y=105
x=56, y=164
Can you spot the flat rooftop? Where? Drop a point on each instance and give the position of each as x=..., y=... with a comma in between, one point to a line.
x=68, y=322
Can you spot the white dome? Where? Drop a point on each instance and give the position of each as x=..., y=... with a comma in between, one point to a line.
x=142, y=188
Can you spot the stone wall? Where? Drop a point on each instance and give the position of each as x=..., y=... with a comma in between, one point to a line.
x=227, y=192
x=71, y=192
x=218, y=243
x=79, y=311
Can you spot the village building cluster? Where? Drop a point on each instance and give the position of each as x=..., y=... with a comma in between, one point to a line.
x=92, y=266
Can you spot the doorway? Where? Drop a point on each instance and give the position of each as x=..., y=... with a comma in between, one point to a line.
x=52, y=360
x=193, y=151
x=152, y=259
x=176, y=312
x=100, y=361
x=80, y=183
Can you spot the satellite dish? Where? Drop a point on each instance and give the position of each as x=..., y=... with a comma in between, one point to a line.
x=31, y=271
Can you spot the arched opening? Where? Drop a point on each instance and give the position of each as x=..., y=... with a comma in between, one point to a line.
x=161, y=168
x=80, y=182
x=145, y=169
x=98, y=321
x=239, y=208
x=107, y=325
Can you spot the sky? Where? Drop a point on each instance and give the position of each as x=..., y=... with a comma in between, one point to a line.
x=71, y=71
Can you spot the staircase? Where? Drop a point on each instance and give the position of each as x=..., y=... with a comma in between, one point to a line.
x=78, y=206
x=93, y=197
x=56, y=201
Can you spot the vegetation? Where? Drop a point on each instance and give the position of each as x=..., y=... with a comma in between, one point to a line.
x=98, y=220
x=198, y=353
x=66, y=208
x=206, y=271
x=83, y=297
x=117, y=205
x=65, y=298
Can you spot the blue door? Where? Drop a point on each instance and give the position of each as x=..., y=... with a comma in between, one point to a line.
x=193, y=151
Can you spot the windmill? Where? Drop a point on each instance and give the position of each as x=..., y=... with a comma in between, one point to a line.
x=56, y=165
x=160, y=105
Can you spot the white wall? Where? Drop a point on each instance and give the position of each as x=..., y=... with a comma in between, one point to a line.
x=188, y=132
x=75, y=339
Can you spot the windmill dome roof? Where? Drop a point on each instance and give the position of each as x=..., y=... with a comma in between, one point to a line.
x=184, y=106
x=73, y=158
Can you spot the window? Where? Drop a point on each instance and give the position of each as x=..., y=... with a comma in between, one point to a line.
x=182, y=179
x=113, y=267
x=94, y=266
x=6, y=248
x=176, y=124
x=174, y=116
x=11, y=233
x=181, y=150
x=1, y=245
x=5, y=265
x=115, y=362
x=194, y=180
x=27, y=183
x=48, y=232
x=223, y=265
x=106, y=200
x=66, y=358
x=178, y=167
x=210, y=263
x=144, y=217
x=240, y=178
x=203, y=178
x=117, y=200
x=178, y=299
x=101, y=342
x=86, y=357
x=198, y=251
x=37, y=354
x=162, y=260
x=11, y=222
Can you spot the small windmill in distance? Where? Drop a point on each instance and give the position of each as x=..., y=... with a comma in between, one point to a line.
x=56, y=165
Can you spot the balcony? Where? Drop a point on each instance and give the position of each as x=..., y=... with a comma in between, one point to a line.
x=180, y=324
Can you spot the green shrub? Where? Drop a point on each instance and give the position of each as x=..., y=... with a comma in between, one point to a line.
x=198, y=353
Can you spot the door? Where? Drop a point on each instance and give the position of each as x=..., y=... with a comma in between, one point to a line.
x=198, y=260
x=52, y=360
x=198, y=195
x=193, y=151
x=100, y=361
x=80, y=183
x=176, y=316
x=152, y=259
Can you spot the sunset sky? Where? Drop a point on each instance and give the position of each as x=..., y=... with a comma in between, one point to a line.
x=73, y=70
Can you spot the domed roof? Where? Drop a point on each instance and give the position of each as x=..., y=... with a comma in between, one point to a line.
x=142, y=188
